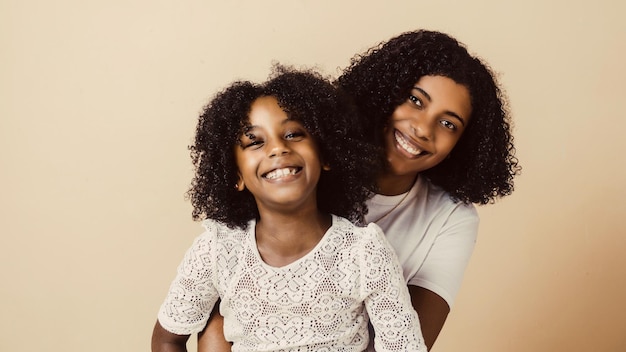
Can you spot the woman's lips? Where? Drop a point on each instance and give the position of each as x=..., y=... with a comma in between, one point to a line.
x=406, y=145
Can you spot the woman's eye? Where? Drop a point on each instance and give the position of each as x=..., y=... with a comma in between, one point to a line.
x=415, y=100
x=449, y=125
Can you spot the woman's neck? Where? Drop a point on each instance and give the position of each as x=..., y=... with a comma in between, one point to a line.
x=392, y=185
x=284, y=238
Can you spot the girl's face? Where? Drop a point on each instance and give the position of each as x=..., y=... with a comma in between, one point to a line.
x=424, y=129
x=278, y=159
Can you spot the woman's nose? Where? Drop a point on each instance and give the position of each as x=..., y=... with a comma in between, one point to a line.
x=422, y=130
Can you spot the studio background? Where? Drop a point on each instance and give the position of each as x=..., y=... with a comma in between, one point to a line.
x=99, y=100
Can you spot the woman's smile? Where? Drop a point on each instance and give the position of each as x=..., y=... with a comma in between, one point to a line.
x=408, y=145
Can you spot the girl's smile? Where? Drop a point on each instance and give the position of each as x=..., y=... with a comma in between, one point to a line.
x=282, y=173
x=277, y=158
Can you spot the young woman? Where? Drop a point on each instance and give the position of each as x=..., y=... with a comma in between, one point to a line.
x=278, y=173
x=444, y=125
x=438, y=113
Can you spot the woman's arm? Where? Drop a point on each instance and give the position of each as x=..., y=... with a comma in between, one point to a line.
x=165, y=341
x=211, y=339
x=435, y=285
x=432, y=311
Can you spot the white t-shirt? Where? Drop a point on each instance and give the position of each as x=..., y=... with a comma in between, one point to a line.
x=320, y=302
x=433, y=236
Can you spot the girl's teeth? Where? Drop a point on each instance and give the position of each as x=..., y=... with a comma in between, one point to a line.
x=280, y=173
x=406, y=146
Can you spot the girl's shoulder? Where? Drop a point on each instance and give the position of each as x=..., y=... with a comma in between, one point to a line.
x=220, y=231
x=342, y=224
x=368, y=233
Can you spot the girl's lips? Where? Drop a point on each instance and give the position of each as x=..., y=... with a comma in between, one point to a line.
x=407, y=145
x=281, y=172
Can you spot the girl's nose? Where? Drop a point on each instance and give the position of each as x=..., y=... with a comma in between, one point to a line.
x=278, y=148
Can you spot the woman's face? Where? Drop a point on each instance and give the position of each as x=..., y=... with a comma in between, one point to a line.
x=424, y=129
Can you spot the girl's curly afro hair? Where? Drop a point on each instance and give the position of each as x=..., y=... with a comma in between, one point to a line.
x=306, y=97
x=482, y=165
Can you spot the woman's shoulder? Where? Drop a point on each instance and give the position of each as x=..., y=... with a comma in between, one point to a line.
x=435, y=199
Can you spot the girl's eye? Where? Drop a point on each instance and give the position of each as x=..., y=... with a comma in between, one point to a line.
x=250, y=141
x=251, y=144
x=295, y=135
x=415, y=100
x=449, y=125
x=255, y=143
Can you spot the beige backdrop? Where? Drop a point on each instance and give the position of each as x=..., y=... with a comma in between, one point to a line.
x=98, y=102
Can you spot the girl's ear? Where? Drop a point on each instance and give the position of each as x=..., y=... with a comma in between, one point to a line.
x=240, y=186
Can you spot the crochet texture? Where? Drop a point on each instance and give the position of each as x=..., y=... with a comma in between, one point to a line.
x=320, y=302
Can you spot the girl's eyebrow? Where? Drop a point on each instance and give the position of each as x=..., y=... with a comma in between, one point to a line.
x=246, y=131
x=249, y=127
x=448, y=112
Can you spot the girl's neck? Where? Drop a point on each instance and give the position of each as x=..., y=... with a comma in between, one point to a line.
x=284, y=238
x=392, y=185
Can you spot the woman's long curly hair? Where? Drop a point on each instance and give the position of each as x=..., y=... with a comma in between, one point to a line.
x=327, y=115
x=482, y=165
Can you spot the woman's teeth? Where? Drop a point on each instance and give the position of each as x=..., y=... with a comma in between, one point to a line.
x=280, y=173
x=406, y=146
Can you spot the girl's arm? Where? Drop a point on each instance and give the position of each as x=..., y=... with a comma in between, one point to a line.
x=388, y=302
x=165, y=341
x=184, y=311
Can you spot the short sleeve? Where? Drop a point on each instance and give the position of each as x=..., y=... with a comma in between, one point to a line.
x=192, y=294
x=444, y=266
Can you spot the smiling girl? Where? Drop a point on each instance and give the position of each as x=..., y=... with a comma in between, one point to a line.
x=281, y=169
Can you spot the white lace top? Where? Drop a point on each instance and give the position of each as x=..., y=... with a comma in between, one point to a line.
x=320, y=302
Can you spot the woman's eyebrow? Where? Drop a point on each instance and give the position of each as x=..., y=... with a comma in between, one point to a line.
x=423, y=92
x=456, y=116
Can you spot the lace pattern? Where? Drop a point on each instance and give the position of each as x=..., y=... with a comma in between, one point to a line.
x=320, y=302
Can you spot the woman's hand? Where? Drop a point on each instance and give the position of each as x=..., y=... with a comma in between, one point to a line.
x=211, y=339
x=165, y=341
